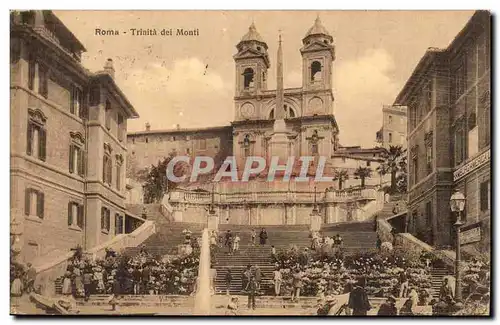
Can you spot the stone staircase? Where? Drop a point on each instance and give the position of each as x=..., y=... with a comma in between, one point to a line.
x=184, y=305
x=167, y=238
x=438, y=273
x=356, y=238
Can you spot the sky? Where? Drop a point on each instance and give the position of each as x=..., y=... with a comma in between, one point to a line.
x=167, y=80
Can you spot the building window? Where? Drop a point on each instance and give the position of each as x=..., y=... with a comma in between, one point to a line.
x=460, y=142
x=315, y=71
x=390, y=119
x=147, y=140
x=485, y=196
x=76, y=102
x=119, y=163
x=121, y=130
x=34, y=203
x=472, y=136
x=75, y=215
x=427, y=98
x=118, y=224
x=107, y=165
x=43, y=88
x=106, y=170
x=105, y=220
x=414, y=165
x=368, y=163
x=108, y=114
x=390, y=137
x=202, y=143
x=459, y=82
x=77, y=154
x=429, y=158
x=248, y=75
x=484, y=120
x=36, y=135
x=429, y=152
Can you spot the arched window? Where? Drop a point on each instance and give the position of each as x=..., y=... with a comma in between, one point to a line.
x=246, y=145
x=315, y=71
x=248, y=78
x=289, y=112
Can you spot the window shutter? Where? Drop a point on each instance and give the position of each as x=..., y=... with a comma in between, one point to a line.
x=29, y=139
x=72, y=100
x=104, y=164
x=79, y=220
x=40, y=204
x=42, y=140
x=81, y=163
x=31, y=73
x=71, y=157
x=108, y=221
x=116, y=224
x=27, y=201
x=70, y=213
x=110, y=171
x=103, y=215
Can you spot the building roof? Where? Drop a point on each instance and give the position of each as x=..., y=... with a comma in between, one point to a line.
x=61, y=30
x=317, y=29
x=252, y=35
x=181, y=130
x=109, y=82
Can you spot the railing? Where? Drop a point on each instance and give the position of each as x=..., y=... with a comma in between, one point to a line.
x=272, y=196
x=51, y=270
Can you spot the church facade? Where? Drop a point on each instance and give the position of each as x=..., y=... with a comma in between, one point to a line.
x=268, y=123
x=311, y=127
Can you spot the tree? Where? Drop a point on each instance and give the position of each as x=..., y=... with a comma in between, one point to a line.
x=156, y=184
x=341, y=175
x=362, y=173
x=394, y=162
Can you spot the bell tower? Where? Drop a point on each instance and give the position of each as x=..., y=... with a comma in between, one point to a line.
x=252, y=64
x=318, y=54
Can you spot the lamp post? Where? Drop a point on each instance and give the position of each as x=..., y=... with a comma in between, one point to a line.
x=457, y=204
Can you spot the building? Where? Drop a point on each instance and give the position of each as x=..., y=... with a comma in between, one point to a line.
x=308, y=111
x=393, y=130
x=448, y=100
x=68, y=143
x=268, y=123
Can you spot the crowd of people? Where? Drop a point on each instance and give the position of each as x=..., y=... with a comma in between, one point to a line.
x=120, y=274
x=231, y=241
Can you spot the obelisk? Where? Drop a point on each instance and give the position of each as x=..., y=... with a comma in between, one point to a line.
x=279, y=143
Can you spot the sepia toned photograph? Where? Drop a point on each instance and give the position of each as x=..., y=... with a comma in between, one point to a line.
x=250, y=163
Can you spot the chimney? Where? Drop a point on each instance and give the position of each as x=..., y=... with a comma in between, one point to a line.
x=108, y=67
x=148, y=126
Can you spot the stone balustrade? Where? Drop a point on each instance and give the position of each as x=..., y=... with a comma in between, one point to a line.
x=184, y=196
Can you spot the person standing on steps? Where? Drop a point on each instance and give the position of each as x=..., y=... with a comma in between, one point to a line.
x=236, y=243
x=253, y=235
x=297, y=284
x=277, y=280
x=228, y=278
x=228, y=236
x=263, y=236
x=30, y=278
x=245, y=277
x=88, y=277
x=252, y=291
x=404, y=284
x=230, y=245
x=258, y=276
x=358, y=299
x=388, y=308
